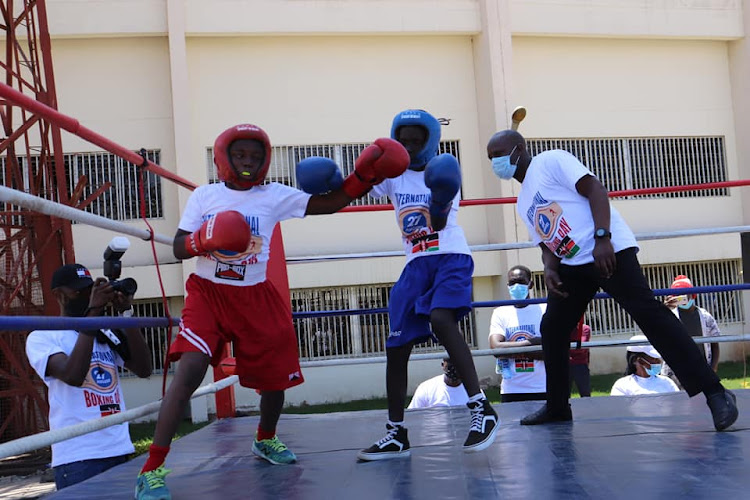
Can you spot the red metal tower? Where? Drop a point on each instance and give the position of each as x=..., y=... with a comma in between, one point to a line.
x=32, y=245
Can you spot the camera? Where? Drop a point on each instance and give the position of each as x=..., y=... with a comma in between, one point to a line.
x=113, y=266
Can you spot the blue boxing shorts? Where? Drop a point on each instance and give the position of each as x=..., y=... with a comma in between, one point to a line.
x=440, y=281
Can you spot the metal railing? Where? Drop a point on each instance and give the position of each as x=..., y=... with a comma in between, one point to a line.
x=358, y=335
x=647, y=162
x=284, y=160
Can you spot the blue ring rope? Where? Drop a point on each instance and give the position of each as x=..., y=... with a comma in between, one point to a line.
x=23, y=323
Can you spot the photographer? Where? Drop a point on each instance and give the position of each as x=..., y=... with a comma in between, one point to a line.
x=80, y=371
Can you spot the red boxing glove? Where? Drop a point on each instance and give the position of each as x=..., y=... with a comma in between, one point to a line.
x=224, y=231
x=384, y=159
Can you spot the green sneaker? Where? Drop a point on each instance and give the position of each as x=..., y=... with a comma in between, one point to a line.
x=151, y=486
x=274, y=451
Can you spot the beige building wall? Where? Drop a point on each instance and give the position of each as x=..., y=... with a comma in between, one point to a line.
x=172, y=74
x=318, y=90
x=578, y=87
x=119, y=88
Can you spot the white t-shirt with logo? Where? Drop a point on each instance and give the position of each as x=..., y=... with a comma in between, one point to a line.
x=558, y=216
x=411, y=199
x=435, y=392
x=517, y=324
x=263, y=206
x=633, y=385
x=99, y=395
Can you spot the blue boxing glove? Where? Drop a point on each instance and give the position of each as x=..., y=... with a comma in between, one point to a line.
x=443, y=176
x=318, y=175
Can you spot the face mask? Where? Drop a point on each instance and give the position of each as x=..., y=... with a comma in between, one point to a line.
x=686, y=305
x=77, y=307
x=502, y=167
x=518, y=291
x=654, y=370
x=452, y=374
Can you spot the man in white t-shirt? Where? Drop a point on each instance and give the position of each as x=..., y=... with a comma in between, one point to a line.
x=643, y=372
x=586, y=245
x=524, y=377
x=443, y=390
x=80, y=371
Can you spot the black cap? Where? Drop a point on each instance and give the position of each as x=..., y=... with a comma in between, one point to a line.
x=74, y=276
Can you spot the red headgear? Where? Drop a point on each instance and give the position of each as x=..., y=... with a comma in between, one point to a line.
x=682, y=281
x=226, y=171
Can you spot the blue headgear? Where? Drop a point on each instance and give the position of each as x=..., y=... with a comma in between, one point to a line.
x=425, y=120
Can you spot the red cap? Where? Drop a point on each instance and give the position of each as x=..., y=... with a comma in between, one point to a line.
x=682, y=281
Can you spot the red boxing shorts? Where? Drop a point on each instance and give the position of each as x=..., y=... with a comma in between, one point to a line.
x=254, y=318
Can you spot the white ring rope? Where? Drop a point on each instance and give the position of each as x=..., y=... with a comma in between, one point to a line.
x=525, y=244
x=55, y=209
x=29, y=443
x=513, y=350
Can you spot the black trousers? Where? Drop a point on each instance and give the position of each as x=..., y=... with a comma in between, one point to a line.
x=629, y=288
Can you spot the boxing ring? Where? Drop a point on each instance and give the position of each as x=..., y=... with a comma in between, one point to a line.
x=616, y=447
x=656, y=447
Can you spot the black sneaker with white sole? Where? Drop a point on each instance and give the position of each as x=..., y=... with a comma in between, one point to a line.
x=484, y=425
x=395, y=444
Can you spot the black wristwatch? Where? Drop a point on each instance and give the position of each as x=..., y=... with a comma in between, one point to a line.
x=602, y=233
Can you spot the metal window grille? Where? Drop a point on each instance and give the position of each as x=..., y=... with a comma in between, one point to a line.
x=284, y=159
x=12, y=215
x=122, y=200
x=156, y=338
x=352, y=336
x=606, y=317
x=648, y=162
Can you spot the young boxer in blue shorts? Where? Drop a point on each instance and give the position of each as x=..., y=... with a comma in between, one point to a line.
x=434, y=290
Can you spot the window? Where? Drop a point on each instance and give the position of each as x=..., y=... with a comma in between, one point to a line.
x=606, y=317
x=13, y=215
x=156, y=338
x=647, y=162
x=119, y=202
x=359, y=335
x=284, y=160
x=122, y=200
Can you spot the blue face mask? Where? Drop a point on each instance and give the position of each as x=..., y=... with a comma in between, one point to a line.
x=502, y=166
x=688, y=305
x=518, y=291
x=654, y=370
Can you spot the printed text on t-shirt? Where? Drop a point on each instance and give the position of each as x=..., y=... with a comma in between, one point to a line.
x=547, y=218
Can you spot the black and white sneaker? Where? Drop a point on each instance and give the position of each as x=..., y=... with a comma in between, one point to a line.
x=395, y=444
x=484, y=425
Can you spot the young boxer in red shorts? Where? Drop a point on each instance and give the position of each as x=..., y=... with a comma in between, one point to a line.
x=228, y=227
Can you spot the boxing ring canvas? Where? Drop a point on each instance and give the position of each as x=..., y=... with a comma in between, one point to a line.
x=644, y=447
